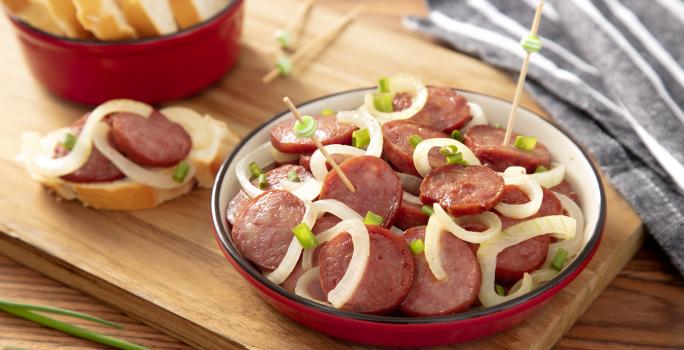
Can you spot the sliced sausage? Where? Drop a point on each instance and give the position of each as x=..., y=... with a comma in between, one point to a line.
x=263, y=230
x=388, y=276
x=322, y=224
x=96, y=169
x=529, y=255
x=329, y=131
x=305, y=160
x=486, y=142
x=153, y=141
x=462, y=190
x=409, y=215
x=456, y=292
x=398, y=150
x=444, y=110
x=378, y=187
x=275, y=177
x=565, y=188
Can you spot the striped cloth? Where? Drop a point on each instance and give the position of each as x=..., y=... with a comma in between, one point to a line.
x=611, y=72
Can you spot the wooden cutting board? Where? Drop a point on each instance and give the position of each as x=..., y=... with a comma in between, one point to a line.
x=163, y=266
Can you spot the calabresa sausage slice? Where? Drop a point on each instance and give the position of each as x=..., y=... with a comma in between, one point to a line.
x=378, y=188
x=329, y=131
x=153, y=141
x=487, y=143
x=529, y=255
x=263, y=230
x=445, y=110
x=96, y=169
x=397, y=149
x=388, y=276
x=455, y=293
x=275, y=177
x=565, y=188
x=462, y=190
x=409, y=215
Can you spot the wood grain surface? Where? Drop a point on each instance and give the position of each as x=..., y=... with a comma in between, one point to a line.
x=162, y=266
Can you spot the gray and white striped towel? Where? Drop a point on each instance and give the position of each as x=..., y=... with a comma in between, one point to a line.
x=611, y=72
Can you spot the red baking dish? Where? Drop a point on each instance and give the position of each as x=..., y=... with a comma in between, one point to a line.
x=399, y=331
x=149, y=70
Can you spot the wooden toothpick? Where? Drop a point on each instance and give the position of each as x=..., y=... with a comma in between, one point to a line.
x=294, y=26
x=319, y=145
x=317, y=43
x=523, y=70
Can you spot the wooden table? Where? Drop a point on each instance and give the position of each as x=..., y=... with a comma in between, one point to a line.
x=642, y=308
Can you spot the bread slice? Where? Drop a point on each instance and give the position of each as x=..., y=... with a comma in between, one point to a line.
x=149, y=17
x=128, y=195
x=36, y=13
x=191, y=12
x=64, y=14
x=105, y=19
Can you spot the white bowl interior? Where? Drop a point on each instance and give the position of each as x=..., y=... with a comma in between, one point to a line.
x=579, y=171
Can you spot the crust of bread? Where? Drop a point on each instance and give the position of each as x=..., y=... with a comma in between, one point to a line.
x=190, y=12
x=149, y=17
x=104, y=19
x=128, y=195
x=64, y=14
x=36, y=13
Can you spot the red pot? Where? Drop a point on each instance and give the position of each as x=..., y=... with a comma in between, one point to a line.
x=149, y=70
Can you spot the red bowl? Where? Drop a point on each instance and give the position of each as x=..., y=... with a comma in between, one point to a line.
x=149, y=70
x=397, y=331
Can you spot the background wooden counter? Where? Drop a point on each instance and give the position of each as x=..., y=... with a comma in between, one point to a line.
x=642, y=308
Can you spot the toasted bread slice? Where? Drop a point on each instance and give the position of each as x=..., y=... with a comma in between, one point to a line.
x=105, y=19
x=191, y=12
x=36, y=13
x=64, y=14
x=149, y=17
x=126, y=194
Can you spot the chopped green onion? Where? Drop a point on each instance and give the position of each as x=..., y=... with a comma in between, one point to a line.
x=327, y=112
x=305, y=128
x=447, y=150
x=305, y=236
x=372, y=219
x=531, y=43
x=262, y=181
x=181, y=171
x=500, y=290
x=384, y=85
x=383, y=102
x=498, y=125
x=361, y=138
x=283, y=38
x=457, y=135
x=69, y=141
x=284, y=65
x=414, y=140
x=541, y=169
x=255, y=170
x=27, y=311
x=525, y=143
x=559, y=259
x=293, y=176
x=456, y=158
x=417, y=246
x=427, y=210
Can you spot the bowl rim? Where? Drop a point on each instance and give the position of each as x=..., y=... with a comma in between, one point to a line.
x=223, y=237
x=181, y=33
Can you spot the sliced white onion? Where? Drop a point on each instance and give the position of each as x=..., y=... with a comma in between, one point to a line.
x=539, y=277
x=317, y=164
x=531, y=188
x=192, y=122
x=420, y=154
x=433, y=236
x=344, y=290
x=318, y=209
x=45, y=165
x=410, y=183
x=489, y=219
x=262, y=157
x=559, y=226
x=284, y=158
x=572, y=246
x=33, y=145
x=552, y=177
x=156, y=178
x=306, y=190
x=397, y=231
x=305, y=281
x=400, y=83
x=408, y=197
x=479, y=116
x=294, y=250
x=513, y=171
x=362, y=120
